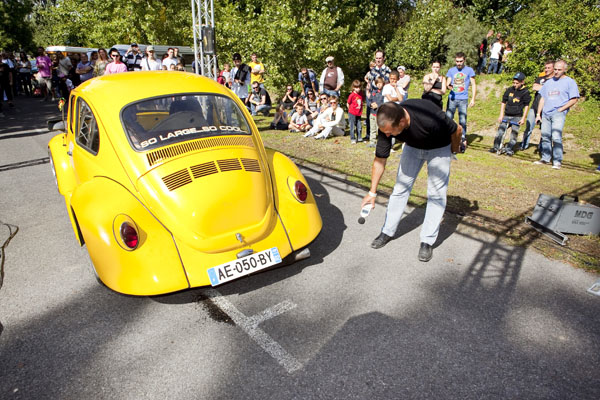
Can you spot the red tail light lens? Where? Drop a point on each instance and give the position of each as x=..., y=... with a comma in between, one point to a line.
x=129, y=235
x=301, y=191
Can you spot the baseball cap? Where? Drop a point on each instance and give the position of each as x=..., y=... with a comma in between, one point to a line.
x=237, y=56
x=134, y=45
x=330, y=58
x=519, y=76
x=150, y=48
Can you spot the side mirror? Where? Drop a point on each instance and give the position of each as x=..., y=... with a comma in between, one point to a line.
x=56, y=125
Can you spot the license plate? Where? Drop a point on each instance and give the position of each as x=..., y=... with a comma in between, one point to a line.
x=243, y=266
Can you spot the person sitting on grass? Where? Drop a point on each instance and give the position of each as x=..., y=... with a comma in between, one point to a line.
x=332, y=121
x=290, y=97
x=280, y=121
x=299, y=121
x=260, y=101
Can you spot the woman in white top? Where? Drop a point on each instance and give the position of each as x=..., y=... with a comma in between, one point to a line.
x=332, y=121
x=25, y=74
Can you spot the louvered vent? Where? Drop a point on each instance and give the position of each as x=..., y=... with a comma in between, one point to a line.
x=160, y=155
x=251, y=165
x=177, y=179
x=230, y=164
x=200, y=170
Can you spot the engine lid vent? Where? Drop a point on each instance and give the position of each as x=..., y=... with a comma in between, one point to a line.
x=200, y=170
x=177, y=179
x=230, y=164
x=163, y=154
x=250, y=164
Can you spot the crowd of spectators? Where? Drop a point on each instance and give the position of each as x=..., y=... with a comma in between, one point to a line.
x=53, y=76
x=315, y=109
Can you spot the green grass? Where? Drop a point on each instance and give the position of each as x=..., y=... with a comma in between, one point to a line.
x=494, y=191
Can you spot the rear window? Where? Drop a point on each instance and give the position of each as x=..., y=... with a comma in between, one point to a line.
x=162, y=121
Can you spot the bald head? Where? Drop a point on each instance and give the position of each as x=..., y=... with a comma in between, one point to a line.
x=560, y=69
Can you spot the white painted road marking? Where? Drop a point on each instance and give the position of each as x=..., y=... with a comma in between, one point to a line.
x=250, y=326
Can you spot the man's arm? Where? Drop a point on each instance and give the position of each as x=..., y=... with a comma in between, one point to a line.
x=524, y=117
x=472, y=103
x=538, y=114
x=502, y=108
x=455, y=140
x=340, y=79
x=376, y=173
x=569, y=104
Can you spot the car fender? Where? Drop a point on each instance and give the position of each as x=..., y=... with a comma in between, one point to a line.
x=153, y=267
x=302, y=221
x=60, y=162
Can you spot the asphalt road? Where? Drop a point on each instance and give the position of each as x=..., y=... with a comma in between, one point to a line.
x=481, y=320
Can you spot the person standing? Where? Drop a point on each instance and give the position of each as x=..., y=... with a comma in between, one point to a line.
x=25, y=74
x=515, y=104
x=240, y=78
x=459, y=79
x=537, y=86
x=44, y=66
x=429, y=135
x=257, y=71
x=150, y=63
x=355, y=106
x=434, y=85
x=172, y=60
x=308, y=80
x=116, y=65
x=559, y=94
x=483, y=48
x=84, y=69
x=495, y=54
x=133, y=58
x=101, y=63
x=403, y=81
x=332, y=79
x=378, y=70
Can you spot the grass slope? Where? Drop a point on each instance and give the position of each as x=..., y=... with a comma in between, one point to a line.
x=494, y=192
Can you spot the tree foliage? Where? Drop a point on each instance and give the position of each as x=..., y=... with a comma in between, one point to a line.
x=293, y=34
x=565, y=29
x=16, y=31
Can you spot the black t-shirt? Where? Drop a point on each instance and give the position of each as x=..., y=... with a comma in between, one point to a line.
x=293, y=94
x=262, y=93
x=429, y=128
x=516, y=101
x=536, y=99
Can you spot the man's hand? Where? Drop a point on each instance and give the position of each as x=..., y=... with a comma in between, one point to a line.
x=500, y=119
x=368, y=199
x=522, y=120
x=472, y=103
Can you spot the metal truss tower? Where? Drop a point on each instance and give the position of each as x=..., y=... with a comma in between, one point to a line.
x=203, y=21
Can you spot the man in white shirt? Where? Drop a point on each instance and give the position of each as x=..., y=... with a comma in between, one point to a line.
x=150, y=63
x=495, y=54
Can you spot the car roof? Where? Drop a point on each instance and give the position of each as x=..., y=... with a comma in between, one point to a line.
x=110, y=93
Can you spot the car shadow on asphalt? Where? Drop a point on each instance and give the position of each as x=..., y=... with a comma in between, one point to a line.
x=326, y=242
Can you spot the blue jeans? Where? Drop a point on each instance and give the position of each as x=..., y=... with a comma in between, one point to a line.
x=462, y=113
x=551, y=142
x=263, y=109
x=493, y=67
x=328, y=92
x=355, y=123
x=438, y=175
x=529, y=125
x=513, y=136
x=481, y=64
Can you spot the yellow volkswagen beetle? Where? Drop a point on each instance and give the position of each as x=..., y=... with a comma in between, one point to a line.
x=168, y=184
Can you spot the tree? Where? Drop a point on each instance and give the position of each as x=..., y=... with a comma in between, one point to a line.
x=567, y=29
x=16, y=32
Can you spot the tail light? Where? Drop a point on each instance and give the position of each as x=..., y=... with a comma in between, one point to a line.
x=301, y=191
x=129, y=235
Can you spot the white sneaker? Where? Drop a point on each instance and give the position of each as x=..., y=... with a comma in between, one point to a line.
x=353, y=142
x=556, y=166
x=308, y=134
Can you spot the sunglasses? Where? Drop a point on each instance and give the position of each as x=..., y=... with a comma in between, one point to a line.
x=333, y=102
x=114, y=55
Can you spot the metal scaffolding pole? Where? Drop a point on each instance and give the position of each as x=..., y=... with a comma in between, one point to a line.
x=203, y=25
